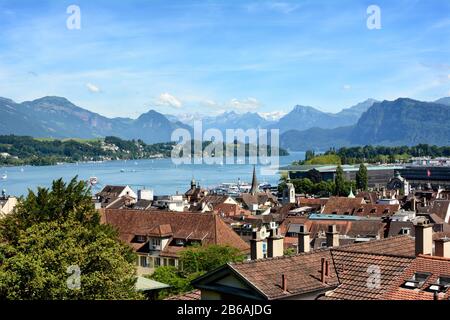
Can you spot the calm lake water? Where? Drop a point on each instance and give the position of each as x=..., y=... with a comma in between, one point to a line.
x=161, y=175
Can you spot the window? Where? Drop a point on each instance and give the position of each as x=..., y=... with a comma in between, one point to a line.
x=442, y=284
x=157, y=262
x=155, y=244
x=141, y=239
x=143, y=262
x=179, y=242
x=172, y=262
x=405, y=231
x=150, y=262
x=416, y=281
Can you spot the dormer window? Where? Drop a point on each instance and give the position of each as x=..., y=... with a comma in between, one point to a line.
x=416, y=281
x=405, y=231
x=155, y=244
x=179, y=242
x=442, y=284
x=141, y=239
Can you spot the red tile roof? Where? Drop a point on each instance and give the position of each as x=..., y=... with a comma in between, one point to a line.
x=365, y=276
x=436, y=266
x=192, y=295
x=358, y=207
x=204, y=227
x=303, y=270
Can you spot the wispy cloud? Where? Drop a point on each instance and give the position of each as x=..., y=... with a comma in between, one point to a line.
x=278, y=6
x=168, y=100
x=347, y=87
x=240, y=105
x=92, y=88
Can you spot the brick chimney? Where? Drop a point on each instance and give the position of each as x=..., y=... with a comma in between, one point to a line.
x=256, y=246
x=442, y=247
x=303, y=240
x=424, y=237
x=284, y=282
x=275, y=244
x=332, y=236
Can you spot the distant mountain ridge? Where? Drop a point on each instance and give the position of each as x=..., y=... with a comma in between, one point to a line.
x=389, y=123
x=56, y=117
x=305, y=117
x=400, y=122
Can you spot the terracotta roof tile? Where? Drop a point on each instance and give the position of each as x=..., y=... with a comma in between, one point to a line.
x=207, y=228
x=192, y=295
x=436, y=266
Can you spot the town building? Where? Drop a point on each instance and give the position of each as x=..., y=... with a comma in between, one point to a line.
x=159, y=236
x=7, y=204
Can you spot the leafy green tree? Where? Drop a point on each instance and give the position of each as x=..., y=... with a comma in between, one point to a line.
x=195, y=261
x=179, y=281
x=204, y=259
x=52, y=236
x=362, y=178
x=339, y=180
x=314, y=175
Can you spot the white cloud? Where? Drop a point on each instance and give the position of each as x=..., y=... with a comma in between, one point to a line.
x=448, y=76
x=248, y=104
x=93, y=88
x=283, y=7
x=278, y=6
x=168, y=100
x=347, y=87
x=244, y=105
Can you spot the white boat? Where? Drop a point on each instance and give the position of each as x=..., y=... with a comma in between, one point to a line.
x=122, y=170
x=93, y=181
x=4, y=176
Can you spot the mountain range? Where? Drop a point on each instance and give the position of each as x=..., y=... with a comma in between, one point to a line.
x=388, y=123
x=57, y=117
x=403, y=121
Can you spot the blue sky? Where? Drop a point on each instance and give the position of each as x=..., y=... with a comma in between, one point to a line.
x=209, y=56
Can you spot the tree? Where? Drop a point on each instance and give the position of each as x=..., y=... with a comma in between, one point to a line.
x=196, y=261
x=54, y=247
x=178, y=281
x=339, y=189
x=204, y=259
x=362, y=178
x=314, y=175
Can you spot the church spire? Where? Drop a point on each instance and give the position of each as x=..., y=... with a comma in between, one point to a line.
x=255, y=187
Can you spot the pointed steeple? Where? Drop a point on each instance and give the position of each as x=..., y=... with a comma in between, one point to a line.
x=351, y=195
x=255, y=188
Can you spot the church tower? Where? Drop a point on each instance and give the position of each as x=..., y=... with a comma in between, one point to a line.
x=289, y=192
x=255, y=188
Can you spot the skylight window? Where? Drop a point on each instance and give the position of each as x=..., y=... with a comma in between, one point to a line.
x=442, y=284
x=416, y=281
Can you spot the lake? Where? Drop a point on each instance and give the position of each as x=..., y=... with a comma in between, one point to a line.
x=161, y=175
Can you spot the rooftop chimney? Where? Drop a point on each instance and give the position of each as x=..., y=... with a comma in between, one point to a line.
x=413, y=204
x=442, y=247
x=303, y=240
x=323, y=270
x=284, y=282
x=424, y=237
x=256, y=246
x=275, y=244
x=332, y=236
